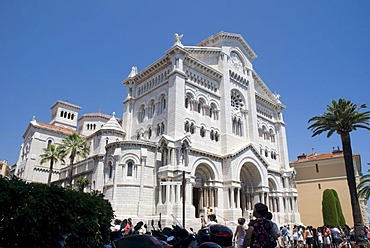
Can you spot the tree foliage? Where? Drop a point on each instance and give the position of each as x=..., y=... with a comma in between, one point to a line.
x=342, y=117
x=52, y=155
x=37, y=215
x=73, y=146
x=329, y=208
x=341, y=219
x=364, y=186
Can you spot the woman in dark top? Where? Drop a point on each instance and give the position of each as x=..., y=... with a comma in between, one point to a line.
x=260, y=233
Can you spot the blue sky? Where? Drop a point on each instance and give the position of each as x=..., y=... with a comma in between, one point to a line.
x=309, y=52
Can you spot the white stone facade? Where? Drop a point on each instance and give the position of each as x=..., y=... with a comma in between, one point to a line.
x=199, y=110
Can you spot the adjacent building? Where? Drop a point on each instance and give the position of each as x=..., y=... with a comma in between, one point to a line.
x=199, y=114
x=4, y=168
x=317, y=172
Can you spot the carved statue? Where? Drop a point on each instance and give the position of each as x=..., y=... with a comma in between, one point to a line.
x=178, y=39
x=133, y=72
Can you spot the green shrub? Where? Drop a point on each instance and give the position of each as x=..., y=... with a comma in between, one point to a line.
x=36, y=215
x=329, y=208
x=341, y=219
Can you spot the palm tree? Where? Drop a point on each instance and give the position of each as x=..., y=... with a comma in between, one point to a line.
x=51, y=154
x=364, y=186
x=343, y=117
x=82, y=183
x=75, y=146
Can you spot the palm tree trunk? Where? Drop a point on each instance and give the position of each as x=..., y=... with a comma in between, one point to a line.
x=50, y=171
x=70, y=178
x=351, y=180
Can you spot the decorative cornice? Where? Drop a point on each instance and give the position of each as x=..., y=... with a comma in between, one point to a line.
x=67, y=104
x=154, y=68
x=272, y=101
x=203, y=50
x=203, y=68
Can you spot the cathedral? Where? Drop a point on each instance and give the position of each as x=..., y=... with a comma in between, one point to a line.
x=200, y=132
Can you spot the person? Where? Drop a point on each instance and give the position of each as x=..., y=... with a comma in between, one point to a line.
x=284, y=239
x=128, y=227
x=309, y=237
x=336, y=236
x=212, y=220
x=275, y=227
x=326, y=237
x=240, y=233
x=203, y=222
x=260, y=230
x=117, y=225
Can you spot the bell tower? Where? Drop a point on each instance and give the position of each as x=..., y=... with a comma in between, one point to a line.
x=64, y=114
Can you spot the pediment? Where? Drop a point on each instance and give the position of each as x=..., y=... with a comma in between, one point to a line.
x=229, y=39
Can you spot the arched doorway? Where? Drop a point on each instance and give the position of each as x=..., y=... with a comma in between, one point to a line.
x=204, y=191
x=250, y=180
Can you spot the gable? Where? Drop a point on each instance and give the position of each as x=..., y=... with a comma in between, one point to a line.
x=232, y=40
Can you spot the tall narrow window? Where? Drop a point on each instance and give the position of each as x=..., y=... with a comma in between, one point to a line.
x=49, y=143
x=129, y=168
x=317, y=168
x=202, y=132
x=110, y=168
x=150, y=133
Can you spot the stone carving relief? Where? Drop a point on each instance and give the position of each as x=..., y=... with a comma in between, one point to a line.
x=236, y=61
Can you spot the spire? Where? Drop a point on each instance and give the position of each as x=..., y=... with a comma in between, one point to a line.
x=113, y=124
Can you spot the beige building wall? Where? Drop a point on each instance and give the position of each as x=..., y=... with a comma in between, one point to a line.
x=314, y=174
x=4, y=168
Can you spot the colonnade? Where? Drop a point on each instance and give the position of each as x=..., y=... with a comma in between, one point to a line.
x=175, y=156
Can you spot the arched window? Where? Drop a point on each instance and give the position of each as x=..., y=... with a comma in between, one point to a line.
x=130, y=166
x=61, y=113
x=212, y=135
x=264, y=132
x=162, y=128
x=217, y=136
x=141, y=114
x=201, y=106
x=49, y=143
x=72, y=116
x=151, y=109
x=110, y=170
x=150, y=133
x=213, y=111
x=69, y=116
x=187, y=126
x=192, y=128
x=158, y=129
x=202, y=132
x=186, y=101
x=162, y=103
x=272, y=136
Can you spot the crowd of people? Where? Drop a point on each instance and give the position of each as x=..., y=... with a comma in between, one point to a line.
x=261, y=231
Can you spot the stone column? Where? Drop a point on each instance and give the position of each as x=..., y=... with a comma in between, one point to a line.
x=178, y=191
x=160, y=193
x=238, y=198
x=232, y=198
x=167, y=193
